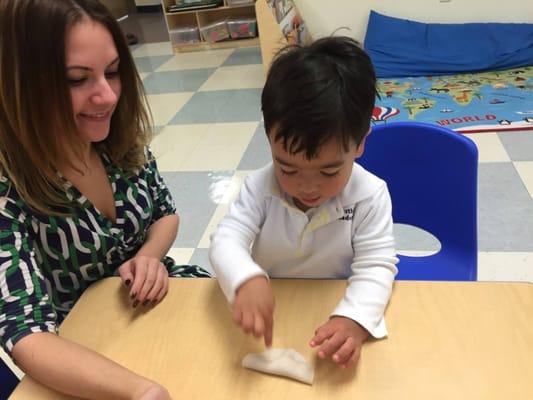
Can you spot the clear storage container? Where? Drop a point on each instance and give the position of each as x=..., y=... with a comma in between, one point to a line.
x=215, y=32
x=184, y=35
x=242, y=28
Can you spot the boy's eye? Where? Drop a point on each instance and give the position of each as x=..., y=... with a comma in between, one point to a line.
x=285, y=172
x=330, y=174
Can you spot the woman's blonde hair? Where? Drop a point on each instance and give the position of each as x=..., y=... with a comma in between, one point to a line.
x=36, y=117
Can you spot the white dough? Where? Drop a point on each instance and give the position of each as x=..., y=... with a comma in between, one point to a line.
x=285, y=362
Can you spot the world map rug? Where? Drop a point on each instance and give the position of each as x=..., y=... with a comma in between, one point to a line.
x=468, y=103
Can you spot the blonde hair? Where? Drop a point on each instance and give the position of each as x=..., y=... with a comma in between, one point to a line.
x=36, y=117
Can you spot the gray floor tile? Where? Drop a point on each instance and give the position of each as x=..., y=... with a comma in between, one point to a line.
x=247, y=55
x=201, y=257
x=221, y=106
x=150, y=64
x=176, y=81
x=408, y=237
x=257, y=153
x=191, y=193
x=519, y=145
x=505, y=210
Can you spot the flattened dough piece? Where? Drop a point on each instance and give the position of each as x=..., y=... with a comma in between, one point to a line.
x=285, y=362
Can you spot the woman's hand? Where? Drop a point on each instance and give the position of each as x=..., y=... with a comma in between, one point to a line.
x=147, y=279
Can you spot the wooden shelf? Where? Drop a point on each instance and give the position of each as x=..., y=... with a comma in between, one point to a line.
x=201, y=17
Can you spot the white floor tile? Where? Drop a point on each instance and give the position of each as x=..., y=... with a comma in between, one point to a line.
x=196, y=60
x=236, y=77
x=525, y=170
x=180, y=255
x=153, y=49
x=165, y=106
x=202, y=147
x=231, y=191
x=505, y=266
x=490, y=147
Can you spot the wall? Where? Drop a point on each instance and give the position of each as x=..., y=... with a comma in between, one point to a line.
x=323, y=17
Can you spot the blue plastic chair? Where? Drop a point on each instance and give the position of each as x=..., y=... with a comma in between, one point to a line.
x=8, y=380
x=431, y=173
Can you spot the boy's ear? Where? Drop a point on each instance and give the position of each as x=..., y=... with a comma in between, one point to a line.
x=361, y=147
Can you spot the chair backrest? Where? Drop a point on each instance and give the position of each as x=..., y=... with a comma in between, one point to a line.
x=431, y=173
x=8, y=380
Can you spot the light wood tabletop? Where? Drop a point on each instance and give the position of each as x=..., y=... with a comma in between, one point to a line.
x=447, y=340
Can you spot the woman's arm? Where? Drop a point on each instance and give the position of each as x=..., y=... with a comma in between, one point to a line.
x=77, y=371
x=160, y=237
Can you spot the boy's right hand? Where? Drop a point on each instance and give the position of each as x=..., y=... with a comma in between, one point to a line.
x=253, y=308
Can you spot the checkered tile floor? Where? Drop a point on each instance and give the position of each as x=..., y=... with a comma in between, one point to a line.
x=206, y=108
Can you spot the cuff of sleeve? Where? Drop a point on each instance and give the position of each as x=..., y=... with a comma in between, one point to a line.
x=377, y=329
x=13, y=340
x=230, y=286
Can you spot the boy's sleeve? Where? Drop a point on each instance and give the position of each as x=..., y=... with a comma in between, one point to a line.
x=25, y=305
x=230, y=249
x=374, y=264
x=163, y=202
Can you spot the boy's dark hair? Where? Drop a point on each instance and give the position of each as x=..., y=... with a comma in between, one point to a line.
x=319, y=92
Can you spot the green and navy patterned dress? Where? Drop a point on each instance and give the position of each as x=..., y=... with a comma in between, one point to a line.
x=47, y=262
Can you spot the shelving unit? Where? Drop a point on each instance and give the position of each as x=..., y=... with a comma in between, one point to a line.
x=202, y=17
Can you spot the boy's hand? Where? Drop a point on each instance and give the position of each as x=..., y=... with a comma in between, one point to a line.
x=341, y=338
x=253, y=308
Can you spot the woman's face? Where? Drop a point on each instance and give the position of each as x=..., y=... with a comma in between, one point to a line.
x=93, y=75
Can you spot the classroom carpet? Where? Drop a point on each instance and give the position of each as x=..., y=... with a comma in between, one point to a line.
x=468, y=103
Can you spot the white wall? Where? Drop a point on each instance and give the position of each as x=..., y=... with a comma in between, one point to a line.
x=323, y=17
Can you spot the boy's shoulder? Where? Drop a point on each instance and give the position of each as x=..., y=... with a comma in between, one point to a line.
x=361, y=186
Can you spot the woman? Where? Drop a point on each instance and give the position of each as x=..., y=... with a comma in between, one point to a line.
x=80, y=195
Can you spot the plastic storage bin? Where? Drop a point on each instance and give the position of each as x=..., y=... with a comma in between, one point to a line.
x=242, y=28
x=239, y=2
x=215, y=32
x=184, y=35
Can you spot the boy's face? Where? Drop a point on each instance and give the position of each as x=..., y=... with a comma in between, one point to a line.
x=311, y=183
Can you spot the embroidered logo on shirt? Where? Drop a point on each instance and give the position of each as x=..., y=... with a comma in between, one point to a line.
x=348, y=214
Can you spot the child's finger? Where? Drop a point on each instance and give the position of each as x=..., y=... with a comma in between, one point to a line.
x=321, y=334
x=269, y=324
x=259, y=325
x=354, y=358
x=247, y=322
x=331, y=345
x=237, y=315
x=343, y=354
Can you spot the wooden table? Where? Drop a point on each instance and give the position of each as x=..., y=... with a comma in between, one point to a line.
x=446, y=341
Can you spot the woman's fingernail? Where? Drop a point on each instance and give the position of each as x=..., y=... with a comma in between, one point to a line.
x=127, y=282
x=146, y=302
x=133, y=295
x=135, y=303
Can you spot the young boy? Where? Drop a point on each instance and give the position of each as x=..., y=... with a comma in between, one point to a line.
x=313, y=212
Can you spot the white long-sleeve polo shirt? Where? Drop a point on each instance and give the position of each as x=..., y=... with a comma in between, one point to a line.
x=349, y=236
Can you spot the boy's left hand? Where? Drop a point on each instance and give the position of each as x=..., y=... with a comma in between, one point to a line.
x=341, y=338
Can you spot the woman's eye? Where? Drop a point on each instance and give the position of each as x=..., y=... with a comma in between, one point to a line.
x=111, y=74
x=330, y=174
x=76, y=82
x=284, y=172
